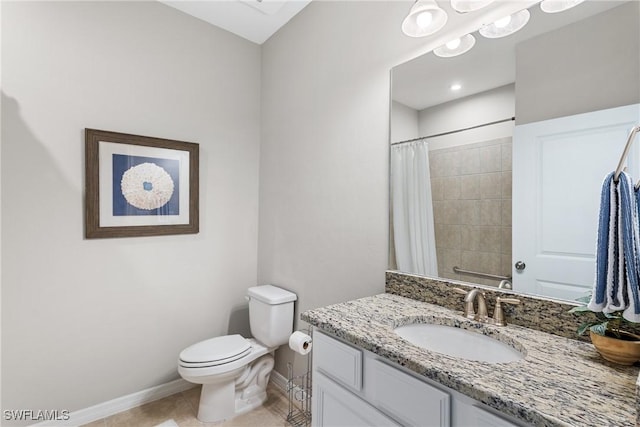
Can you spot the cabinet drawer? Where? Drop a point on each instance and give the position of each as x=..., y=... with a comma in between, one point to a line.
x=407, y=399
x=337, y=360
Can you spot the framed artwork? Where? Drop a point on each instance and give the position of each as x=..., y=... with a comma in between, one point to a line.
x=139, y=185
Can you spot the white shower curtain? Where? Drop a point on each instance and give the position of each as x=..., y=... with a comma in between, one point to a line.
x=413, y=230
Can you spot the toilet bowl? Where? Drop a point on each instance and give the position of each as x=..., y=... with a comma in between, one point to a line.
x=233, y=370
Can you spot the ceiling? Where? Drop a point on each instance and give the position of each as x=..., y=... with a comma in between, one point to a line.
x=254, y=20
x=425, y=81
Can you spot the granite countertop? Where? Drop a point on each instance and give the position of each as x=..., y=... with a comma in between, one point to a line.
x=560, y=382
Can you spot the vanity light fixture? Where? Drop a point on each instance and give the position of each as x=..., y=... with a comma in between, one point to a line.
x=455, y=47
x=555, y=6
x=505, y=26
x=464, y=6
x=424, y=18
x=456, y=87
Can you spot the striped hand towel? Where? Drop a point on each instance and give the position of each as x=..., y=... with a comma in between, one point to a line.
x=618, y=247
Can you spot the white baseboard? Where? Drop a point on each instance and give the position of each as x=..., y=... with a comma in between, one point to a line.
x=124, y=403
x=278, y=380
x=106, y=409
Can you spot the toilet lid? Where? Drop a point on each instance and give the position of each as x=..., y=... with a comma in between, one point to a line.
x=215, y=351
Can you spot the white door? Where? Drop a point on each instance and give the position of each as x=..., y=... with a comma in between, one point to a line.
x=558, y=169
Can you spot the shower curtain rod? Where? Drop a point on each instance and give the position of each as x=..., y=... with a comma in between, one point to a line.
x=510, y=119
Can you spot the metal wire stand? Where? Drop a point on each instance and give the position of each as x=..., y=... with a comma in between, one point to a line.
x=299, y=392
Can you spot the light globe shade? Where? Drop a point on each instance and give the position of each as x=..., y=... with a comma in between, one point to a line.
x=464, y=6
x=555, y=6
x=505, y=26
x=424, y=18
x=455, y=47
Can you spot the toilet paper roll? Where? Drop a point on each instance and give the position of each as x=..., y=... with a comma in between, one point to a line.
x=300, y=342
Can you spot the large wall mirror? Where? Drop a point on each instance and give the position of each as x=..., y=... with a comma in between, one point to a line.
x=498, y=155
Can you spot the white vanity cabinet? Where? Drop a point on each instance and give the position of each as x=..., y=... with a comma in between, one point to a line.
x=354, y=387
x=333, y=405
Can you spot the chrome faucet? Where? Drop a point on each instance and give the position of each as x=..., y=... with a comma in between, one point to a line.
x=482, y=315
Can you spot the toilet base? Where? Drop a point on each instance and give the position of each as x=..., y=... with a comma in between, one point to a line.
x=255, y=401
x=237, y=395
x=216, y=402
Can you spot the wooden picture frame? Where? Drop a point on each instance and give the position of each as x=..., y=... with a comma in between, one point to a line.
x=139, y=185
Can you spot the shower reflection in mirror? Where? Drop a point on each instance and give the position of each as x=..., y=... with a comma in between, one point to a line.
x=451, y=206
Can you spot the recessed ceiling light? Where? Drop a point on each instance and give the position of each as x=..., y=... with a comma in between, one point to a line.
x=456, y=87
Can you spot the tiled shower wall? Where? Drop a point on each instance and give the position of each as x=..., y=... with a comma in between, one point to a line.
x=471, y=189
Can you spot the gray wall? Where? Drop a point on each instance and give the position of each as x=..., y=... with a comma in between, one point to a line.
x=86, y=321
x=478, y=109
x=404, y=122
x=324, y=155
x=600, y=70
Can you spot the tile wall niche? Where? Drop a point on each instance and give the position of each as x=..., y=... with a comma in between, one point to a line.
x=471, y=189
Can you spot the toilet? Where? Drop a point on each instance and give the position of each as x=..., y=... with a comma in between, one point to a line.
x=233, y=370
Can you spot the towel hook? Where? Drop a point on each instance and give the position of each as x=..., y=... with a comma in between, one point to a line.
x=632, y=134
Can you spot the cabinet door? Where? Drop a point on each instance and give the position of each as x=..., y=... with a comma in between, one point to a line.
x=405, y=398
x=333, y=406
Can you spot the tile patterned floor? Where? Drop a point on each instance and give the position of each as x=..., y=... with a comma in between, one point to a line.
x=183, y=408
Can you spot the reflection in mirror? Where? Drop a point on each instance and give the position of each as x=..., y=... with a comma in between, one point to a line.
x=508, y=167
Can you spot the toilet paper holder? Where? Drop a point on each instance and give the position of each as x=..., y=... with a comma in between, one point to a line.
x=299, y=387
x=300, y=342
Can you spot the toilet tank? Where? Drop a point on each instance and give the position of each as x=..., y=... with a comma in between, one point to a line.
x=271, y=314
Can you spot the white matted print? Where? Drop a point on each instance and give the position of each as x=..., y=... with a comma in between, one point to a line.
x=140, y=186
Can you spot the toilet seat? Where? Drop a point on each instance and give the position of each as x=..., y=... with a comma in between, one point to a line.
x=215, y=352
x=190, y=371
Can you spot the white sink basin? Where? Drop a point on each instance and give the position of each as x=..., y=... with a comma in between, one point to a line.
x=457, y=342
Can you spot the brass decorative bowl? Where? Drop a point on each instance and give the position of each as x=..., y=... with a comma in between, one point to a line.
x=624, y=350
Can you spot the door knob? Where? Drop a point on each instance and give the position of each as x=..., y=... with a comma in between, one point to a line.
x=520, y=265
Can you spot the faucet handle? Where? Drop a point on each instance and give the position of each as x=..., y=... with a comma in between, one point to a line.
x=460, y=291
x=498, y=314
